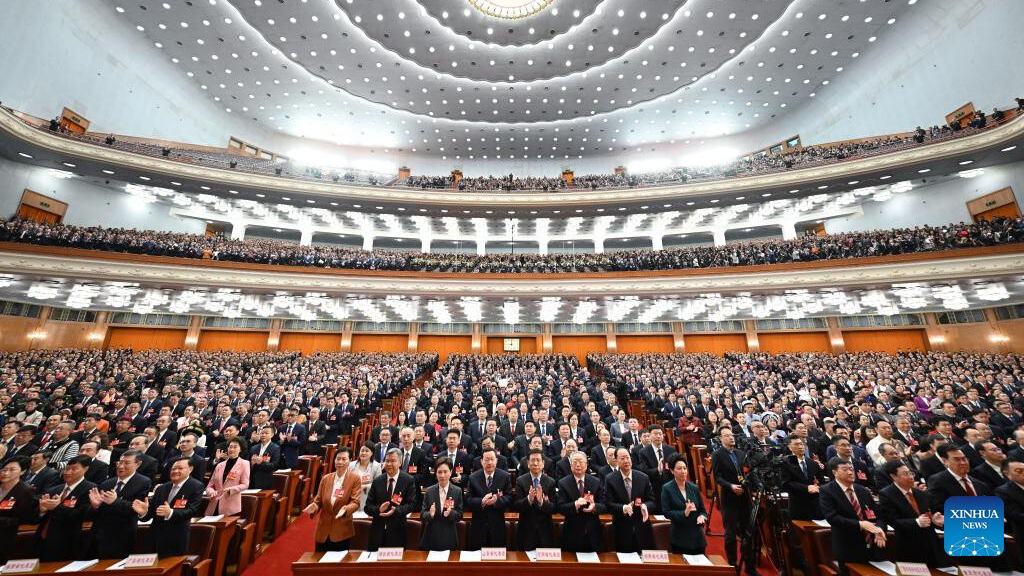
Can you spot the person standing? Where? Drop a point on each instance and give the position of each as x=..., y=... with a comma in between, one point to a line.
x=171, y=509
x=857, y=530
x=682, y=504
x=535, y=504
x=391, y=499
x=229, y=479
x=578, y=500
x=264, y=459
x=114, y=523
x=629, y=497
x=442, y=511
x=487, y=497
x=727, y=468
x=17, y=502
x=62, y=509
x=336, y=499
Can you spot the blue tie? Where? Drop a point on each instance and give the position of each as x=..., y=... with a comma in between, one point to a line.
x=735, y=462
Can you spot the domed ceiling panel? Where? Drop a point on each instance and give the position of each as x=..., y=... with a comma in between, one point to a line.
x=347, y=73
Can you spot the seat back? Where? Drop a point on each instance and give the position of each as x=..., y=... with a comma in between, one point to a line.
x=662, y=536
x=822, y=540
x=362, y=536
x=200, y=540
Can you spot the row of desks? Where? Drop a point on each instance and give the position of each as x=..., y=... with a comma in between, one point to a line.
x=514, y=564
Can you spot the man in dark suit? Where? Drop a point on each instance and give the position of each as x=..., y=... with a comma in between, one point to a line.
x=990, y=471
x=579, y=502
x=1012, y=494
x=264, y=459
x=802, y=478
x=391, y=498
x=62, y=509
x=630, y=498
x=535, y=503
x=98, y=471
x=150, y=466
x=172, y=507
x=23, y=445
x=114, y=523
x=488, y=497
x=381, y=448
x=908, y=511
x=857, y=529
x=40, y=475
x=955, y=479
x=292, y=437
x=599, y=453
x=653, y=461
x=187, y=449
x=521, y=444
x=316, y=433
x=414, y=461
x=461, y=464
x=727, y=469
x=385, y=424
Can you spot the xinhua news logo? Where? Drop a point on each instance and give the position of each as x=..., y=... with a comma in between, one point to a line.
x=973, y=526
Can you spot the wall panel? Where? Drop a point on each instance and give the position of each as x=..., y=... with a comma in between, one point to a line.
x=231, y=340
x=527, y=344
x=579, y=345
x=444, y=345
x=145, y=338
x=786, y=342
x=380, y=343
x=717, y=344
x=309, y=342
x=884, y=340
x=661, y=344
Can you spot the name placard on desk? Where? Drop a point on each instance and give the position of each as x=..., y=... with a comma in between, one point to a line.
x=912, y=569
x=974, y=571
x=140, y=561
x=549, y=554
x=654, y=556
x=21, y=566
x=493, y=553
x=390, y=554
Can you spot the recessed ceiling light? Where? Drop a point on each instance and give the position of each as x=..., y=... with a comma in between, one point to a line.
x=282, y=198
x=886, y=177
x=260, y=195
x=23, y=155
x=108, y=171
x=146, y=178
x=69, y=164
x=966, y=162
x=1009, y=149
x=924, y=170
x=236, y=192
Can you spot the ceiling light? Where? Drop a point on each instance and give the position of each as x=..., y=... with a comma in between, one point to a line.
x=972, y=173
x=24, y=155
x=1009, y=149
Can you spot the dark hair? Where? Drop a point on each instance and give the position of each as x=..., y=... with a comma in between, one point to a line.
x=242, y=444
x=944, y=449
x=136, y=454
x=22, y=461
x=654, y=427
x=532, y=452
x=837, y=439
x=836, y=462
x=343, y=450
x=174, y=461
x=892, y=467
x=442, y=461
x=675, y=459
x=83, y=461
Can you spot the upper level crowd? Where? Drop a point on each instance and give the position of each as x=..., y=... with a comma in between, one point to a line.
x=942, y=424
x=755, y=164
x=806, y=248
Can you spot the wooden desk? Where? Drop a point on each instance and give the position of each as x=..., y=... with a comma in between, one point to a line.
x=264, y=502
x=869, y=570
x=813, y=557
x=224, y=531
x=516, y=562
x=171, y=566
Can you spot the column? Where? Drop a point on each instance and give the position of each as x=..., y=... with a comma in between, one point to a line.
x=835, y=336
x=99, y=333
x=542, y=246
x=657, y=242
x=788, y=230
x=936, y=333
x=192, y=336
x=719, y=237
x=477, y=345
x=368, y=242
x=274, y=338
x=237, y=231
x=547, y=343
x=598, y=245
x=425, y=245
x=677, y=337
x=481, y=247
x=414, y=337
x=753, y=344
x=611, y=341
x=346, y=336
x=306, y=238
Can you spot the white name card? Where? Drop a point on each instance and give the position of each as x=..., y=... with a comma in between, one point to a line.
x=549, y=554
x=654, y=556
x=912, y=569
x=975, y=571
x=391, y=554
x=20, y=566
x=140, y=561
x=492, y=553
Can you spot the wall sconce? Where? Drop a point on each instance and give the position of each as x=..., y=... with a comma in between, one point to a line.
x=37, y=335
x=937, y=339
x=999, y=338
x=95, y=336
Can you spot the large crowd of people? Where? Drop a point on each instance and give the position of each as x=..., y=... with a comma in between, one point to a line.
x=755, y=164
x=94, y=433
x=806, y=248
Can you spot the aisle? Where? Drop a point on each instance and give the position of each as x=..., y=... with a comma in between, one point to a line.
x=298, y=538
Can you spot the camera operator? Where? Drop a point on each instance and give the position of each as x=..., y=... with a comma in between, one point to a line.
x=727, y=467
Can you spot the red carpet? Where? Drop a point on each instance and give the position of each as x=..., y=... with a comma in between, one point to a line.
x=298, y=538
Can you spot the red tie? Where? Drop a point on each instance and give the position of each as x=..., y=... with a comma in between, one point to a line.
x=853, y=502
x=913, y=502
x=968, y=488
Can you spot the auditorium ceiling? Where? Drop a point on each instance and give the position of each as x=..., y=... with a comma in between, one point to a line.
x=511, y=79
x=885, y=299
